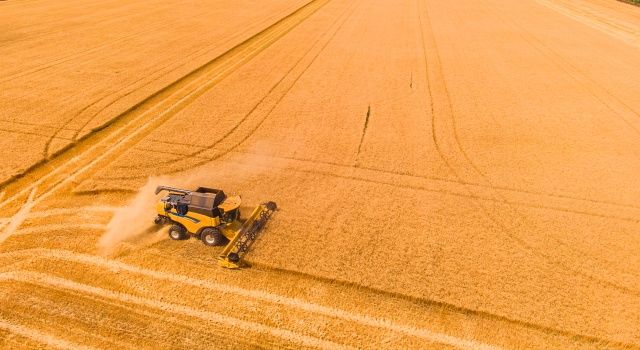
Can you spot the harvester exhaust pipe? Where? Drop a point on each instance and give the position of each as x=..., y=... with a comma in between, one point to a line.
x=171, y=189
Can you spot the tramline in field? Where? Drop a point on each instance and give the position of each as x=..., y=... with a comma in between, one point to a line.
x=214, y=218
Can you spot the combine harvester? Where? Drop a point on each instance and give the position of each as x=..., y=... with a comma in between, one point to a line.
x=214, y=218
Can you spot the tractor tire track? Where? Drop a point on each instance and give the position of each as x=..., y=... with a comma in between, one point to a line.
x=503, y=320
x=262, y=295
x=135, y=123
x=586, y=82
x=56, y=282
x=399, y=180
x=116, y=267
x=155, y=76
x=229, y=133
x=615, y=104
x=403, y=181
x=132, y=88
x=625, y=33
x=95, y=320
x=202, y=150
x=461, y=165
x=31, y=133
x=389, y=172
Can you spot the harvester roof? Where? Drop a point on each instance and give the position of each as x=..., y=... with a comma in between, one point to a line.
x=202, y=198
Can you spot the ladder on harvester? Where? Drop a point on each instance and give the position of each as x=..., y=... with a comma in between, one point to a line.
x=231, y=256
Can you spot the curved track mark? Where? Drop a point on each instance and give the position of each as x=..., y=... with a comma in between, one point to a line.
x=199, y=153
x=138, y=121
x=56, y=282
x=263, y=295
x=465, y=166
x=161, y=72
x=389, y=172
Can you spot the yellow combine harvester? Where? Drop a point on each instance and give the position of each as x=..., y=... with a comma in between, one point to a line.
x=214, y=218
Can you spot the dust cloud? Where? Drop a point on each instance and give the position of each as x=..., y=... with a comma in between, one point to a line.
x=131, y=220
x=133, y=223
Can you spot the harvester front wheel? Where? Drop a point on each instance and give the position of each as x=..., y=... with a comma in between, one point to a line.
x=177, y=232
x=212, y=236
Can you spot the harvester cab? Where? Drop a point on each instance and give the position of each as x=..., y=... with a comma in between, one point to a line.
x=213, y=217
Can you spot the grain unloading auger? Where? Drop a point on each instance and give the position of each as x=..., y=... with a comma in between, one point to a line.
x=214, y=218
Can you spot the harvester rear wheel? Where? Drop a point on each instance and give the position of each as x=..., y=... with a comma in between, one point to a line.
x=212, y=236
x=177, y=232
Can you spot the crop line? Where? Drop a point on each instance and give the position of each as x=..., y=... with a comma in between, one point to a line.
x=543, y=329
x=195, y=55
x=167, y=112
x=356, y=177
x=40, y=337
x=359, y=177
x=567, y=67
x=288, y=22
x=270, y=111
x=86, y=336
x=541, y=48
x=518, y=220
x=47, y=280
x=394, y=183
x=215, y=60
x=478, y=174
x=620, y=32
x=59, y=24
x=192, y=325
x=66, y=58
x=204, y=149
x=456, y=181
x=115, y=266
x=172, y=153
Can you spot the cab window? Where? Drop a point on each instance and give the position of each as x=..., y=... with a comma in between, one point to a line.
x=182, y=208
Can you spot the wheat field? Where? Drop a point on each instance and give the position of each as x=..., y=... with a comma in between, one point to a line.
x=448, y=174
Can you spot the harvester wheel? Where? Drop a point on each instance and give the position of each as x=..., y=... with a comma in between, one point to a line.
x=177, y=232
x=212, y=236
